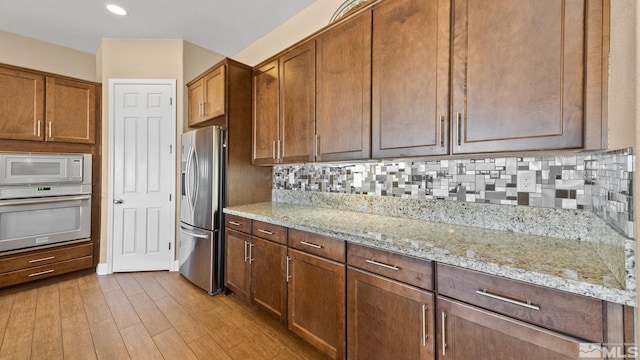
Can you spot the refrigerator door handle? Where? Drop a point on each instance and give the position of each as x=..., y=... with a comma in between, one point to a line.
x=187, y=188
x=196, y=178
x=184, y=231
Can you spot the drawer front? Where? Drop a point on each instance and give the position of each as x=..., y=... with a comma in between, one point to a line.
x=568, y=313
x=406, y=269
x=275, y=233
x=324, y=246
x=43, y=257
x=238, y=223
x=45, y=271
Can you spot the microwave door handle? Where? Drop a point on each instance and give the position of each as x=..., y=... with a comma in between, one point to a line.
x=43, y=200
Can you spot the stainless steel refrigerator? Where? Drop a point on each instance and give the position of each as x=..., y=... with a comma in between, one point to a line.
x=201, y=254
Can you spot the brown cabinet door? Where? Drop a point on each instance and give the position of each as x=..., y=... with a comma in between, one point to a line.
x=71, y=111
x=266, y=105
x=387, y=319
x=297, y=103
x=196, y=102
x=21, y=105
x=472, y=333
x=518, y=75
x=316, y=299
x=237, y=267
x=214, y=93
x=343, y=91
x=268, y=277
x=410, y=88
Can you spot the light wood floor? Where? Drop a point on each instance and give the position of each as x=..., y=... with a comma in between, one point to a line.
x=152, y=315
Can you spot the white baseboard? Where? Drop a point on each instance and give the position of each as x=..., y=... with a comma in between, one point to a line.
x=176, y=266
x=102, y=269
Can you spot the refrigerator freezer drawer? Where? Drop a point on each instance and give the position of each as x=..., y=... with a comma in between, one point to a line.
x=197, y=258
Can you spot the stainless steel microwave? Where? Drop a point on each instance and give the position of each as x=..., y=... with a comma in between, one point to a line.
x=23, y=169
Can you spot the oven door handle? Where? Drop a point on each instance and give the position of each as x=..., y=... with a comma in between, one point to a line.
x=43, y=200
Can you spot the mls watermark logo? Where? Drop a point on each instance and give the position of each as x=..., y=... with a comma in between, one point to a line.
x=607, y=351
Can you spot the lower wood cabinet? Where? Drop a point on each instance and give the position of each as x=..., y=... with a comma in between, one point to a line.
x=255, y=270
x=21, y=267
x=316, y=299
x=387, y=319
x=468, y=332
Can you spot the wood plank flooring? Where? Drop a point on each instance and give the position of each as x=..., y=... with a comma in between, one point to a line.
x=152, y=315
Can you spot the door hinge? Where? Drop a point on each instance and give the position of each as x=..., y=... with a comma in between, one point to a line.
x=169, y=197
x=170, y=149
x=169, y=246
x=170, y=101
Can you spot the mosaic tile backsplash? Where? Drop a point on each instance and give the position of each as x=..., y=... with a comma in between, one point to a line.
x=600, y=183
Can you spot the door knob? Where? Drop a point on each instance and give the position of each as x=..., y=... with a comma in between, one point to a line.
x=118, y=201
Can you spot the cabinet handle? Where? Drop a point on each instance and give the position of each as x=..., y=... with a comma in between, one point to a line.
x=41, y=273
x=386, y=266
x=201, y=108
x=251, y=259
x=318, y=150
x=50, y=129
x=278, y=151
x=441, y=128
x=38, y=129
x=424, y=325
x=43, y=259
x=510, y=301
x=311, y=245
x=458, y=133
x=288, y=276
x=265, y=232
x=204, y=108
x=245, y=252
x=273, y=150
x=444, y=341
x=234, y=223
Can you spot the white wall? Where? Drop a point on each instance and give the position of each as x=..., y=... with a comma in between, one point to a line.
x=303, y=24
x=39, y=55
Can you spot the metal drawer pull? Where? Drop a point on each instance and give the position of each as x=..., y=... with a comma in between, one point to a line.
x=424, y=325
x=234, y=223
x=444, y=341
x=42, y=273
x=510, y=301
x=265, y=232
x=38, y=130
x=390, y=267
x=43, y=259
x=251, y=259
x=288, y=276
x=245, y=251
x=311, y=245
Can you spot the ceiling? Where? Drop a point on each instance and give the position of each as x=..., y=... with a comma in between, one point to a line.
x=223, y=26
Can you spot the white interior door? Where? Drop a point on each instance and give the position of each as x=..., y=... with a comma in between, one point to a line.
x=143, y=162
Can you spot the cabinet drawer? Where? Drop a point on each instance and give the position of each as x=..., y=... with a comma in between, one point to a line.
x=271, y=232
x=324, y=246
x=407, y=269
x=568, y=313
x=45, y=271
x=238, y=223
x=44, y=257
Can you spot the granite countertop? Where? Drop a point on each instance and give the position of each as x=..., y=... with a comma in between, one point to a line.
x=568, y=265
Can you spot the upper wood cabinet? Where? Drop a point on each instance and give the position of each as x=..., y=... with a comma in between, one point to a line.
x=266, y=112
x=410, y=83
x=71, y=111
x=343, y=91
x=207, y=98
x=21, y=104
x=68, y=115
x=284, y=107
x=518, y=75
x=297, y=104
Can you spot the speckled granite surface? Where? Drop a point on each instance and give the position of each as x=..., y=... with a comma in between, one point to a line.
x=570, y=265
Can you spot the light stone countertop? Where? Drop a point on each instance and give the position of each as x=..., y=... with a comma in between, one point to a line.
x=569, y=265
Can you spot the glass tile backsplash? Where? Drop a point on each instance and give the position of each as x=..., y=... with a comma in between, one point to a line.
x=601, y=183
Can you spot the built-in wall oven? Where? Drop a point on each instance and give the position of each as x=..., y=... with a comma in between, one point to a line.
x=44, y=199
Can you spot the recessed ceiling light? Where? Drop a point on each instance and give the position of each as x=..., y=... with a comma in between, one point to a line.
x=118, y=10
